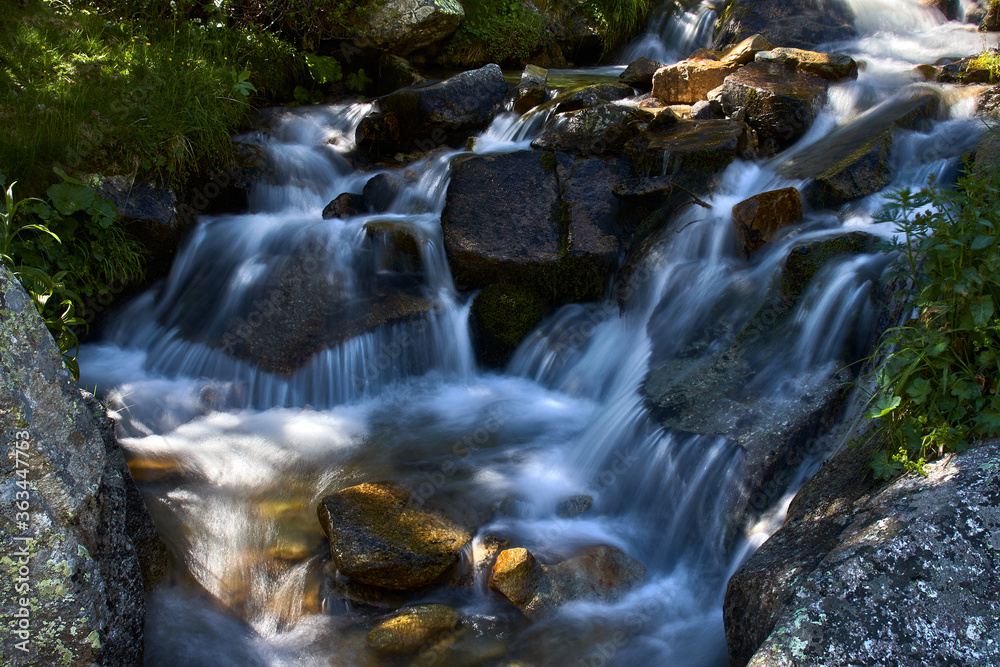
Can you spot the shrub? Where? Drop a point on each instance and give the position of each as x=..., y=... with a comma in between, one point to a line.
x=939, y=384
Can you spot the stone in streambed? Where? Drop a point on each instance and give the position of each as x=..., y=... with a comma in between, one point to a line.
x=759, y=218
x=689, y=81
x=691, y=148
x=639, y=74
x=379, y=535
x=602, y=130
x=829, y=66
x=602, y=573
x=778, y=103
x=412, y=628
x=801, y=24
x=592, y=96
x=346, y=205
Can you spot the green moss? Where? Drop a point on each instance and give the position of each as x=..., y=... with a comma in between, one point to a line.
x=549, y=162
x=504, y=315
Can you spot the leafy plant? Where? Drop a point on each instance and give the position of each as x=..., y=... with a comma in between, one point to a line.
x=508, y=31
x=358, y=81
x=56, y=302
x=938, y=385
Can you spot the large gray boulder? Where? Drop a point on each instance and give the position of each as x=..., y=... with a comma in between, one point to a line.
x=422, y=118
x=903, y=574
x=801, y=24
x=403, y=26
x=78, y=546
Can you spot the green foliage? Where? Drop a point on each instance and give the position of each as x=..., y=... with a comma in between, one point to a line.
x=620, y=19
x=86, y=86
x=938, y=386
x=989, y=60
x=358, y=82
x=508, y=30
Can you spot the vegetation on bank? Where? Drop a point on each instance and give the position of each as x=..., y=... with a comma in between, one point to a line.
x=938, y=385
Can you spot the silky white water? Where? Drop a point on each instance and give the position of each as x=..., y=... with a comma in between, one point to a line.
x=233, y=459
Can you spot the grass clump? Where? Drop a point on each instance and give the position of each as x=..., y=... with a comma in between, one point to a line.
x=91, y=92
x=938, y=387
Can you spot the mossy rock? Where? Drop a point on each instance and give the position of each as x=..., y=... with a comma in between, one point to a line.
x=503, y=316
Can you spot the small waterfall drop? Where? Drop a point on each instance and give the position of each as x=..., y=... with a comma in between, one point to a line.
x=673, y=33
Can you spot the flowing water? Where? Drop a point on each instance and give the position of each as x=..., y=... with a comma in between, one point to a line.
x=233, y=458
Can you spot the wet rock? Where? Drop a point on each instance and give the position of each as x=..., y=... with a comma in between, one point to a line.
x=692, y=149
x=758, y=218
x=689, y=81
x=527, y=97
x=485, y=551
x=991, y=20
x=395, y=72
x=950, y=9
x=589, y=97
x=639, y=74
x=502, y=315
x=381, y=191
x=601, y=130
x=965, y=71
x=861, y=173
x=337, y=588
x=804, y=262
x=403, y=26
x=574, y=506
x=515, y=575
x=412, y=628
x=829, y=66
x=779, y=104
x=152, y=215
x=380, y=536
x=601, y=573
x=801, y=24
x=534, y=76
x=422, y=118
x=744, y=52
x=707, y=110
x=346, y=205
x=902, y=574
x=89, y=549
x=637, y=189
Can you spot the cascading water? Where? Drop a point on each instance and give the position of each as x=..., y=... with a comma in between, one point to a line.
x=673, y=33
x=234, y=440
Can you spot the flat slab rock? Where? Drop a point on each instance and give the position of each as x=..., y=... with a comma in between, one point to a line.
x=906, y=574
x=381, y=536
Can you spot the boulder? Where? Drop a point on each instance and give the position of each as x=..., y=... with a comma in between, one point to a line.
x=692, y=149
x=395, y=72
x=403, y=26
x=829, y=66
x=592, y=96
x=534, y=76
x=950, y=9
x=805, y=261
x=690, y=81
x=422, y=118
x=991, y=20
x=80, y=551
x=411, y=629
x=602, y=130
x=801, y=24
x=649, y=187
x=381, y=536
x=381, y=191
x=537, y=230
x=758, y=218
x=707, y=110
x=778, y=103
x=346, y=205
x=639, y=74
x=900, y=574
x=603, y=574
x=574, y=506
x=744, y=52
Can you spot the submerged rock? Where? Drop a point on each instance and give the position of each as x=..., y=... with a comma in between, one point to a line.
x=778, y=103
x=381, y=536
x=863, y=172
x=412, y=628
x=758, y=218
x=592, y=96
x=346, y=205
x=422, y=118
x=903, y=574
x=602, y=573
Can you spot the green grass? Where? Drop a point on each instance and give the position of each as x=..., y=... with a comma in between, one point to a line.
x=96, y=95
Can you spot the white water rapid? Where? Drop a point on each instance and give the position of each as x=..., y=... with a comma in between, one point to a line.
x=233, y=458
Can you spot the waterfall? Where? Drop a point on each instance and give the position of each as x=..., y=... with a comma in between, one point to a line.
x=673, y=33
x=238, y=415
